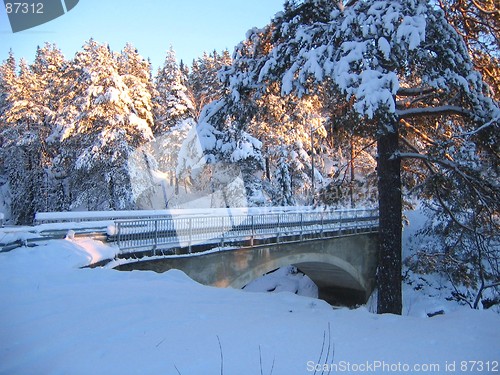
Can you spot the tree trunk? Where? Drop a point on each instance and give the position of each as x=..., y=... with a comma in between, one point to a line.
x=351, y=165
x=111, y=188
x=390, y=227
x=268, y=170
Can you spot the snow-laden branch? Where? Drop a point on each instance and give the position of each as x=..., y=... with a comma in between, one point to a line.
x=493, y=285
x=493, y=122
x=445, y=163
x=415, y=91
x=341, y=6
x=435, y=111
x=449, y=164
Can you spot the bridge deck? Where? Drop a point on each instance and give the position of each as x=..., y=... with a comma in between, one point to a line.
x=133, y=235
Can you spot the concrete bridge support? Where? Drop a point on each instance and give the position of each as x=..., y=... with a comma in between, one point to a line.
x=343, y=267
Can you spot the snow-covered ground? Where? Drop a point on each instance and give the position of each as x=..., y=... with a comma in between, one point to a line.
x=56, y=318
x=285, y=279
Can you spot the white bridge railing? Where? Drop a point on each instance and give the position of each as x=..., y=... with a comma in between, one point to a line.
x=184, y=232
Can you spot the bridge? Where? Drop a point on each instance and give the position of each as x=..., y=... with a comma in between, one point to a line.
x=232, y=247
x=336, y=249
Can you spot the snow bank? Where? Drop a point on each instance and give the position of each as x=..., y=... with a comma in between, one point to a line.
x=11, y=235
x=284, y=279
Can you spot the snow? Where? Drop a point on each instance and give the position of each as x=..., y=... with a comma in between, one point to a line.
x=246, y=148
x=285, y=279
x=312, y=65
x=376, y=90
x=57, y=318
x=141, y=125
x=8, y=236
x=412, y=29
x=384, y=47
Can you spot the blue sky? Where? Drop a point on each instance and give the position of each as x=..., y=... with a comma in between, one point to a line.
x=190, y=26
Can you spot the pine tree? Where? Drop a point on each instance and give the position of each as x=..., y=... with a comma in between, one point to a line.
x=478, y=23
x=50, y=68
x=295, y=124
x=106, y=132
x=204, y=78
x=29, y=123
x=8, y=77
x=218, y=155
x=284, y=195
x=135, y=72
x=172, y=102
x=396, y=60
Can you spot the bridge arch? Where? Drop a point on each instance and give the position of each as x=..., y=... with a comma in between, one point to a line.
x=338, y=281
x=310, y=264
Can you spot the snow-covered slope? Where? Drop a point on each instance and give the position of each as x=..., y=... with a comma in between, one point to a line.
x=56, y=318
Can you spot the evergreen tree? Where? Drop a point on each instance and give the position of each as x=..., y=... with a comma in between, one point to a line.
x=109, y=127
x=297, y=125
x=284, y=195
x=204, y=78
x=396, y=60
x=135, y=72
x=50, y=68
x=478, y=23
x=174, y=113
x=29, y=121
x=216, y=156
x=166, y=152
x=8, y=77
x=172, y=102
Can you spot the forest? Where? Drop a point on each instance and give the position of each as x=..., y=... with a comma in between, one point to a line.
x=71, y=127
x=369, y=103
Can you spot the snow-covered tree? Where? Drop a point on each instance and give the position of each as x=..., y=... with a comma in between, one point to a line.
x=396, y=60
x=29, y=122
x=7, y=79
x=136, y=74
x=166, y=152
x=172, y=103
x=284, y=193
x=478, y=23
x=216, y=156
x=51, y=68
x=296, y=124
x=204, y=80
x=109, y=127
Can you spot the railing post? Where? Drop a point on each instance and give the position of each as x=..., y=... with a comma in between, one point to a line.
x=278, y=234
x=118, y=234
x=134, y=237
x=322, y=232
x=144, y=238
x=222, y=231
x=301, y=226
x=155, y=244
x=190, y=234
x=356, y=224
x=252, y=230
